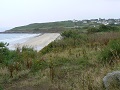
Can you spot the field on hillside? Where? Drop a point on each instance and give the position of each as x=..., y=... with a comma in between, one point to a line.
x=78, y=61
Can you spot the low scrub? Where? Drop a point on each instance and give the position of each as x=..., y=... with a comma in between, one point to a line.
x=39, y=65
x=103, y=28
x=111, y=53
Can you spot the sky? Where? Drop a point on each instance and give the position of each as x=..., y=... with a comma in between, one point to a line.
x=15, y=13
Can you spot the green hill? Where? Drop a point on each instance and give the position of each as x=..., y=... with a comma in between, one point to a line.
x=60, y=26
x=44, y=27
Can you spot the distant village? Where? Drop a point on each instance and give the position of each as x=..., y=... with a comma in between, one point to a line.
x=100, y=21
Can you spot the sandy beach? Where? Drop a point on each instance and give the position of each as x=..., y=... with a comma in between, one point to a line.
x=40, y=41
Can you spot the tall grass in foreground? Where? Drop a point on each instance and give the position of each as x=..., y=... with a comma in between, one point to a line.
x=68, y=64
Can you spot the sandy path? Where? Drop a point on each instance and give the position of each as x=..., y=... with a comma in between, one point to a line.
x=39, y=42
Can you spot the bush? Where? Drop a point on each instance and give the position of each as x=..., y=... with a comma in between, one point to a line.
x=47, y=48
x=4, y=52
x=60, y=61
x=92, y=30
x=108, y=28
x=111, y=52
x=71, y=34
x=102, y=28
x=38, y=65
x=83, y=62
x=1, y=88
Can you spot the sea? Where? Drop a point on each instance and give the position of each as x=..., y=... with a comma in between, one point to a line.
x=15, y=38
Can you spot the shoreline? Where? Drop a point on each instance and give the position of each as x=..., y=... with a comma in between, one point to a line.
x=19, y=33
x=38, y=42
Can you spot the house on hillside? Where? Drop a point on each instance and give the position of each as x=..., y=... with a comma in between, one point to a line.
x=94, y=20
x=111, y=21
x=103, y=21
x=85, y=21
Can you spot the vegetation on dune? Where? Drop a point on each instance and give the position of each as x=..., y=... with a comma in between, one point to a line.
x=77, y=61
x=103, y=28
x=111, y=53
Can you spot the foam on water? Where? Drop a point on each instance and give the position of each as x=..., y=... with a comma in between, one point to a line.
x=13, y=39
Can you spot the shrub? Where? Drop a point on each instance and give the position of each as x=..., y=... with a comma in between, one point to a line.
x=38, y=65
x=47, y=48
x=102, y=28
x=60, y=61
x=107, y=28
x=71, y=34
x=4, y=51
x=111, y=52
x=1, y=88
x=28, y=52
x=92, y=30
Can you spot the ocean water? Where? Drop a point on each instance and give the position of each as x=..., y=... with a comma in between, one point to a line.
x=13, y=39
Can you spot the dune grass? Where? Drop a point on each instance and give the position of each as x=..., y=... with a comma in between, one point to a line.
x=72, y=63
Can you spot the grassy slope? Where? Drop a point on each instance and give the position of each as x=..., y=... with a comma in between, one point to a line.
x=58, y=26
x=44, y=27
x=66, y=67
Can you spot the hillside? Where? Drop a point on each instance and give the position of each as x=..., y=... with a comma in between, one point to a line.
x=44, y=27
x=54, y=27
x=77, y=61
x=60, y=26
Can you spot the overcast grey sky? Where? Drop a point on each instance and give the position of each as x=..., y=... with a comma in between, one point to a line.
x=22, y=12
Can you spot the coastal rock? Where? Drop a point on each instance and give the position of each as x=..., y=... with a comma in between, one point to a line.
x=112, y=80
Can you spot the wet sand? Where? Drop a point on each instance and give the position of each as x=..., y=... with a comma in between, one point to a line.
x=40, y=41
